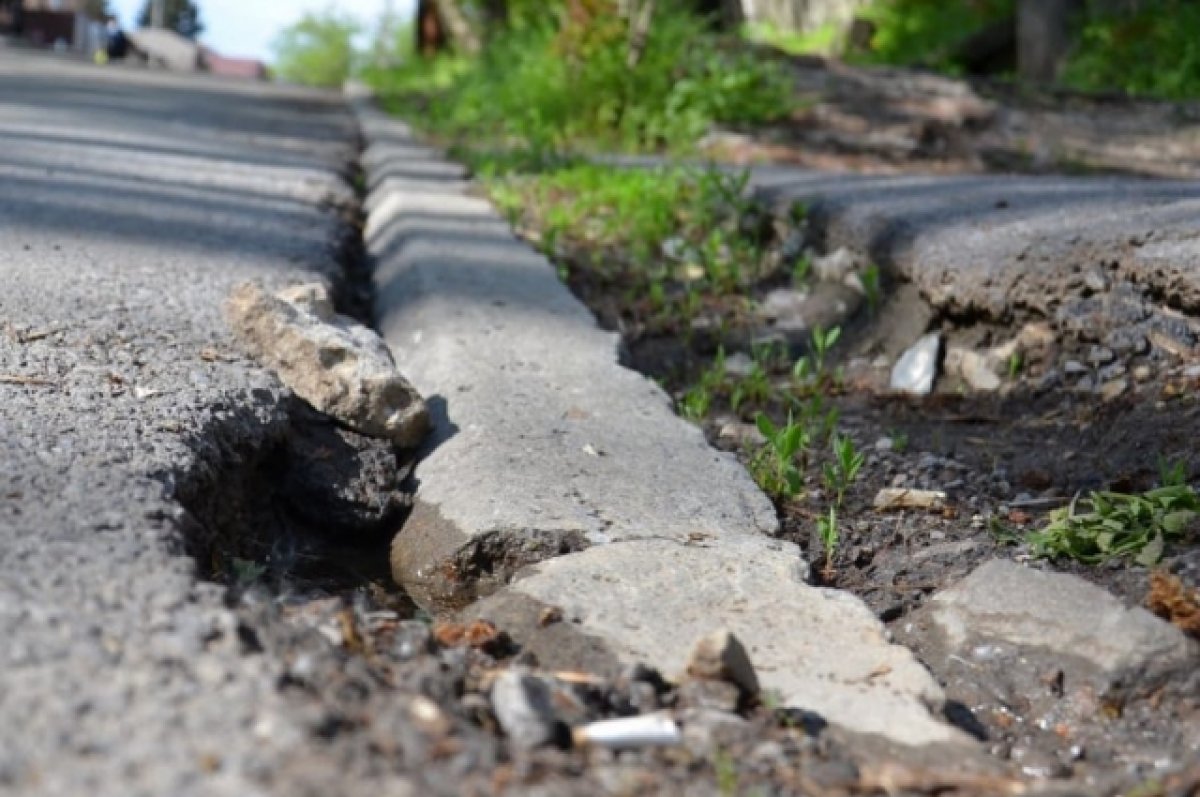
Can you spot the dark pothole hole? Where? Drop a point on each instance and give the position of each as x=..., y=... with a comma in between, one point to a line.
x=310, y=509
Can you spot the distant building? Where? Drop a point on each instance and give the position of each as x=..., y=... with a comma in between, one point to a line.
x=62, y=24
x=226, y=66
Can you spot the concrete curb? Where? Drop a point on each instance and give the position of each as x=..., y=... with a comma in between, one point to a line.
x=547, y=452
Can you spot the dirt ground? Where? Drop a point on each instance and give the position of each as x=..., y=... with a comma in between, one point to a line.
x=1068, y=420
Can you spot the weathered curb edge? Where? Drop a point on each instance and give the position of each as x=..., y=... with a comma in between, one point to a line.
x=996, y=245
x=548, y=452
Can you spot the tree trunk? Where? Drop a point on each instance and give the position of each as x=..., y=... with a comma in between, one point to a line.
x=640, y=19
x=462, y=35
x=430, y=32
x=1043, y=37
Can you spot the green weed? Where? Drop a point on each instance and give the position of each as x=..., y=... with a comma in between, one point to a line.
x=774, y=467
x=1171, y=472
x=821, y=341
x=1117, y=525
x=801, y=271
x=827, y=529
x=725, y=770
x=872, y=287
x=843, y=469
x=544, y=86
x=1015, y=364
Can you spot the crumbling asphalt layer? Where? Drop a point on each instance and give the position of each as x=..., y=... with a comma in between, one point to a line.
x=131, y=203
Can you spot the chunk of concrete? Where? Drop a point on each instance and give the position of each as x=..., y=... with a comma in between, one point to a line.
x=648, y=600
x=337, y=365
x=1116, y=646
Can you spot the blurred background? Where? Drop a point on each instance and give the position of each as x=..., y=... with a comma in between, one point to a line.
x=1142, y=47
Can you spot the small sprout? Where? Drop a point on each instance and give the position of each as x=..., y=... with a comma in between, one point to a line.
x=839, y=474
x=696, y=403
x=658, y=295
x=822, y=341
x=774, y=466
x=872, y=286
x=755, y=388
x=827, y=528
x=1171, y=472
x=725, y=769
x=246, y=572
x=801, y=271
x=899, y=441
x=802, y=370
x=798, y=212
x=1015, y=364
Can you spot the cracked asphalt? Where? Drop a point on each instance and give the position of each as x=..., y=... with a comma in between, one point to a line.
x=130, y=203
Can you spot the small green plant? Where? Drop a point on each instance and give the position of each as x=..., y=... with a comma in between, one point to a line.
x=246, y=572
x=899, y=441
x=841, y=472
x=801, y=271
x=821, y=341
x=827, y=529
x=697, y=400
x=797, y=213
x=1015, y=364
x=1118, y=525
x=872, y=287
x=753, y=388
x=696, y=403
x=1171, y=472
x=725, y=770
x=774, y=466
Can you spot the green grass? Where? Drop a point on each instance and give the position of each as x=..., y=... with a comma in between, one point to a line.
x=927, y=32
x=1153, y=52
x=1118, y=525
x=825, y=40
x=545, y=87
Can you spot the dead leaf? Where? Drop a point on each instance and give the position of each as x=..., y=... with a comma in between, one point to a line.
x=1171, y=600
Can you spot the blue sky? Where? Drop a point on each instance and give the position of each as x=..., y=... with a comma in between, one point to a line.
x=246, y=27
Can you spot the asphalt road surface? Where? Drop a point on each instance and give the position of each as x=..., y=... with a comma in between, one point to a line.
x=130, y=203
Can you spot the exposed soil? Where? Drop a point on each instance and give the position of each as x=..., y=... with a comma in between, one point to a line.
x=895, y=120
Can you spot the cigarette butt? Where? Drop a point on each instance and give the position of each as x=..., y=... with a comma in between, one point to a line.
x=646, y=730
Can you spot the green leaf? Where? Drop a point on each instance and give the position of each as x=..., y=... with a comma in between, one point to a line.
x=1153, y=551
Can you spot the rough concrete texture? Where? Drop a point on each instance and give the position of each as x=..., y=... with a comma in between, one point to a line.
x=545, y=448
x=1002, y=601
x=132, y=203
x=337, y=365
x=994, y=244
x=818, y=649
x=539, y=434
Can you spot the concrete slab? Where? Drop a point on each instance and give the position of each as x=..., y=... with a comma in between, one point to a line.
x=651, y=600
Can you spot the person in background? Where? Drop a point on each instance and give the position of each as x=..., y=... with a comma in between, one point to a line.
x=116, y=42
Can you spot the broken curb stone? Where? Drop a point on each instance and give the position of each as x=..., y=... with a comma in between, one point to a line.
x=337, y=365
x=916, y=369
